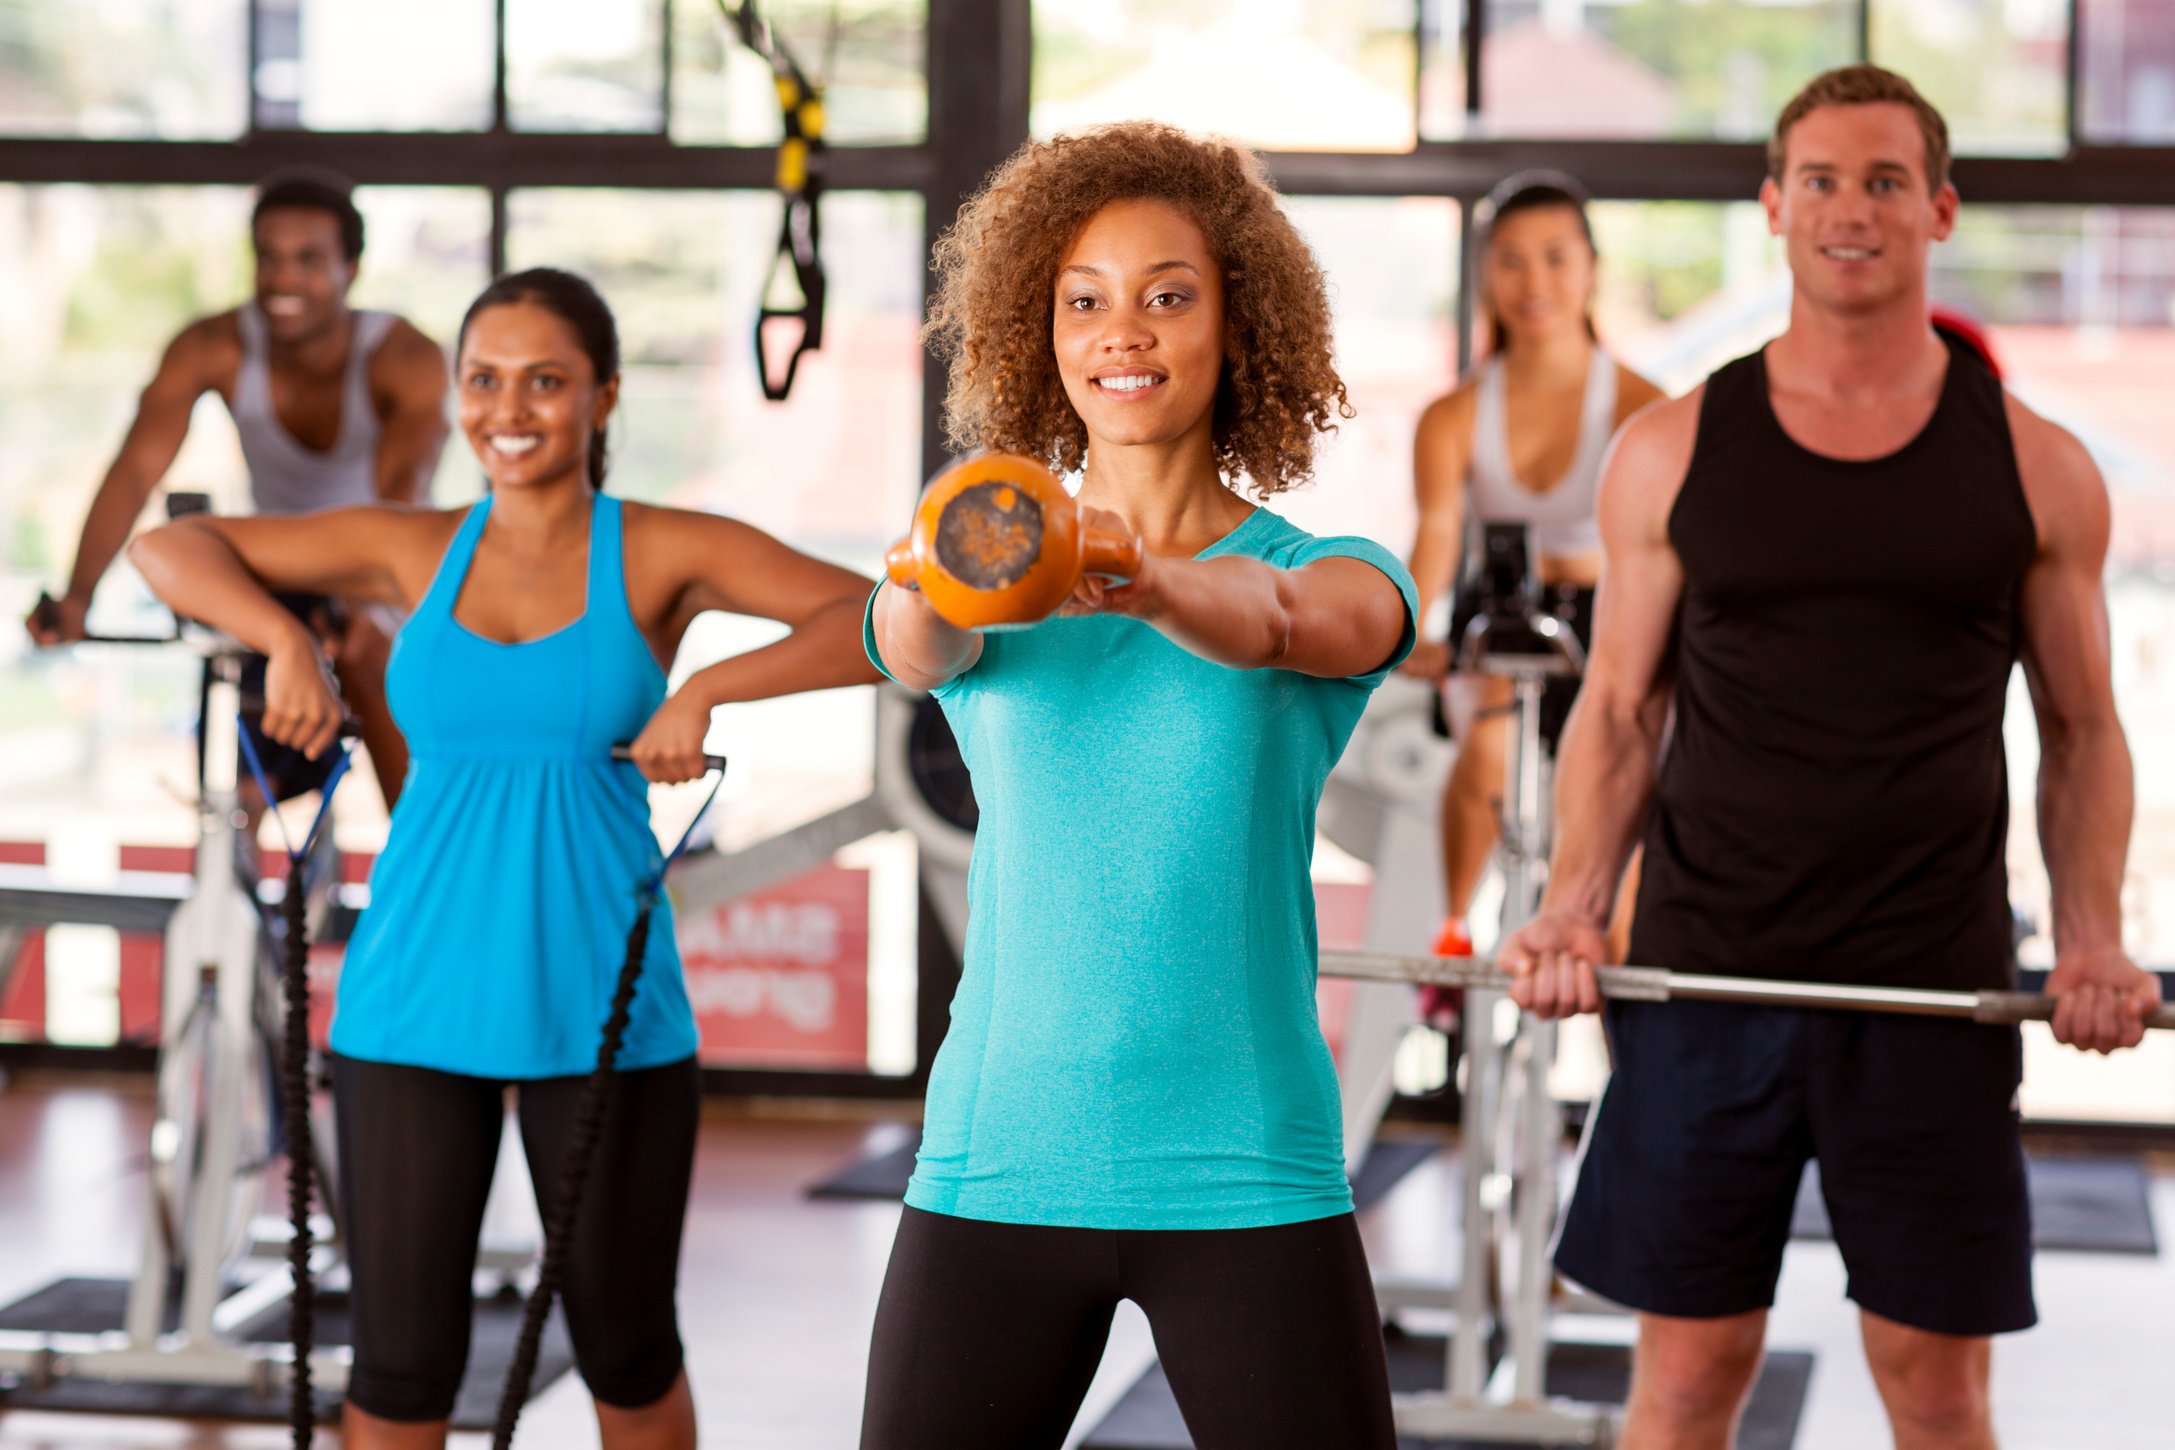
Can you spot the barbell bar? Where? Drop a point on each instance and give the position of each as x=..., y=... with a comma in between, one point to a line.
x=1657, y=984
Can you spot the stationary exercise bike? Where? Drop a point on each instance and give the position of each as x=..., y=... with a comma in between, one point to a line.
x=212, y=1139
x=1506, y=1297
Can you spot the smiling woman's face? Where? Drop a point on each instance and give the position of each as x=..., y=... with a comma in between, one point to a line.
x=1138, y=326
x=529, y=396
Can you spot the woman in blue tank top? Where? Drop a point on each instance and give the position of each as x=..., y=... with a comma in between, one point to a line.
x=1134, y=1100
x=543, y=619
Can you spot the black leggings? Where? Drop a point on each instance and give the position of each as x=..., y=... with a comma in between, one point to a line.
x=417, y=1150
x=987, y=1334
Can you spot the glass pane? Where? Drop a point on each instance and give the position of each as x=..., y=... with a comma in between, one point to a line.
x=683, y=272
x=2127, y=71
x=585, y=65
x=1686, y=286
x=170, y=69
x=1442, y=70
x=94, y=742
x=1998, y=72
x=1292, y=75
x=428, y=254
x=866, y=55
x=322, y=64
x=1709, y=68
x=102, y=738
x=2080, y=306
x=1393, y=285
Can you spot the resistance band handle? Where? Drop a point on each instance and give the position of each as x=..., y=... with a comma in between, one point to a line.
x=47, y=613
x=777, y=389
x=253, y=709
x=710, y=762
x=1113, y=555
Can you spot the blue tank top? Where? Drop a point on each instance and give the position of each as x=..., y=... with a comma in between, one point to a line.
x=500, y=907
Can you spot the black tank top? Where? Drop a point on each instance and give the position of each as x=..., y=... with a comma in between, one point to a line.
x=1833, y=802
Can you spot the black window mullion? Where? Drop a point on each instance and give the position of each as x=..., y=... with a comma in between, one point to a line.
x=252, y=44
x=499, y=126
x=1476, y=30
x=498, y=229
x=664, y=90
x=2073, y=78
x=1467, y=271
x=1865, y=30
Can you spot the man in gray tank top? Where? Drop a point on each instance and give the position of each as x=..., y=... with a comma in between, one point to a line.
x=334, y=406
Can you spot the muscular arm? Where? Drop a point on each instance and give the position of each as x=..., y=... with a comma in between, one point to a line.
x=1605, y=767
x=408, y=384
x=186, y=372
x=2086, y=794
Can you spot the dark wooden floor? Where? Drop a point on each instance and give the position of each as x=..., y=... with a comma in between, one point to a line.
x=778, y=1294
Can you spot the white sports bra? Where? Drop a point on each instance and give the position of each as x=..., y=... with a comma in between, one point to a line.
x=1560, y=520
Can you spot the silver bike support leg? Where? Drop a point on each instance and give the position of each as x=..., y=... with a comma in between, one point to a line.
x=236, y=967
x=1466, y=1368
x=1525, y=836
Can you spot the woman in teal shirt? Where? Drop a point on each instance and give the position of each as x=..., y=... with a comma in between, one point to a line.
x=1134, y=1100
x=541, y=622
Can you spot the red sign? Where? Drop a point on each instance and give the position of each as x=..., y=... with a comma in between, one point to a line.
x=780, y=979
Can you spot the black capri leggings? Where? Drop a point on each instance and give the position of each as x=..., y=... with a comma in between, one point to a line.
x=417, y=1150
x=987, y=1334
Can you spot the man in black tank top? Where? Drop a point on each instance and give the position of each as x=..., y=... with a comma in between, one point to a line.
x=1825, y=563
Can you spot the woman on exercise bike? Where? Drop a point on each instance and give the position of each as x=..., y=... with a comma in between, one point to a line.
x=542, y=621
x=1520, y=440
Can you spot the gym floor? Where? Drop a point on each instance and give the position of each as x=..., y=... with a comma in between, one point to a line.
x=778, y=1292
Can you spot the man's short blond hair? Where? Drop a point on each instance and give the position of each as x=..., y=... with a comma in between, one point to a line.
x=1863, y=85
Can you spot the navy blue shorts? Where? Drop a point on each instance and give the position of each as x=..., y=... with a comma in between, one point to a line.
x=1692, y=1163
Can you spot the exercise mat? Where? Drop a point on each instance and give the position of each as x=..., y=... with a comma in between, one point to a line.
x=1147, y=1417
x=2099, y=1205
x=92, y=1306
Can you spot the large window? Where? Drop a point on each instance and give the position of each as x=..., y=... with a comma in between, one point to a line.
x=1653, y=67
x=632, y=140
x=1290, y=75
x=169, y=69
x=2127, y=65
x=1998, y=72
x=323, y=64
x=866, y=54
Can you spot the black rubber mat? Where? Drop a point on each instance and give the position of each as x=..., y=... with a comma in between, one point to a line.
x=91, y=1306
x=884, y=1175
x=1147, y=1417
x=2099, y=1205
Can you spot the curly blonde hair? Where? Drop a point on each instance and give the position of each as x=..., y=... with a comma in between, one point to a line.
x=997, y=278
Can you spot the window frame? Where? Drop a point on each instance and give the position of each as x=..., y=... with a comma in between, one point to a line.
x=978, y=66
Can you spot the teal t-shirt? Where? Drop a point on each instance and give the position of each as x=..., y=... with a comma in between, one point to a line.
x=1134, y=1043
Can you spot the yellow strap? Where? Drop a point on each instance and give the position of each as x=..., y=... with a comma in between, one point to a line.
x=793, y=165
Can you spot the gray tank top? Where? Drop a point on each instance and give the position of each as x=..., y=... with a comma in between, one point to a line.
x=284, y=476
x=1560, y=517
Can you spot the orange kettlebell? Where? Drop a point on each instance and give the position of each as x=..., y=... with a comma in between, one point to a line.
x=997, y=540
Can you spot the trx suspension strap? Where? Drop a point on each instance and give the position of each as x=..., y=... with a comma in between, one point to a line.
x=294, y=1081
x=802, y=157
x=581, y=1149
